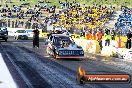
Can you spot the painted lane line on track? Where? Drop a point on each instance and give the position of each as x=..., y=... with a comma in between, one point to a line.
x=6, y=80
x=18, y=70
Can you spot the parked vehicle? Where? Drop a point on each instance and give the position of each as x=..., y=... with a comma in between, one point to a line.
x=21, y=34
x=3, y=33
x=30, y=33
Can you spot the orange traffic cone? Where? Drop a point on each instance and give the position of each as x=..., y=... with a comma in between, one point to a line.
x=119, y=42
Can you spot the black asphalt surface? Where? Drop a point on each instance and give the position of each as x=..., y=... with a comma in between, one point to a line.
x=33, y=68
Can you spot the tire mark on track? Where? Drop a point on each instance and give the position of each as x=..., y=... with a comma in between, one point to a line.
x=30, y=76
x=34, y=77
x=57, y=78
x=47, y=65
x=28, y=58
x=16, y=67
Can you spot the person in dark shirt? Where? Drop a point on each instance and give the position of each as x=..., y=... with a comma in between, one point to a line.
x=99, y=38
x=9, y=23
x=128, y=43
x=16, y=23
x=113, y=35
x=13, y=24
x=35, y=38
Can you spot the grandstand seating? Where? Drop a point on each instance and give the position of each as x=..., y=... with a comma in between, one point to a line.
x=83, y=17
x=125, y=20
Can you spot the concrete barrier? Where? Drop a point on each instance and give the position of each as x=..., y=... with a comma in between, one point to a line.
x=128, y=55
x=124, y=53
x=93, y=46
x=109, y=51
x=90, y=46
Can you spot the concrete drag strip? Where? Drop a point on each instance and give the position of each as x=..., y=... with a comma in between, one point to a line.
x=57, y=72
x=41, y=71
x=31, y=63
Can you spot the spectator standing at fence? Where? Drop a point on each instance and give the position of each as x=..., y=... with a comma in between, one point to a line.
x=113, y=35
x=0, y=23
x=107, y=37
x=16, y=23
x=9, y=23
x=99, y=38
x=128, y=43
x=82, y=35
x=88, y=35
x=29, y=24
x=22, y=23
x=94, y=34
x=13, y=24
x=5, y=23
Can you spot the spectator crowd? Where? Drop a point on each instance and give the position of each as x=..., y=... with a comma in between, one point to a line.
x=124, y=21
x=24, y=15
x=89, y=21
x=78, y=16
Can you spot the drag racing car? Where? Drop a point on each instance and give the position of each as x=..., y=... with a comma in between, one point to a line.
x=63, y=46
